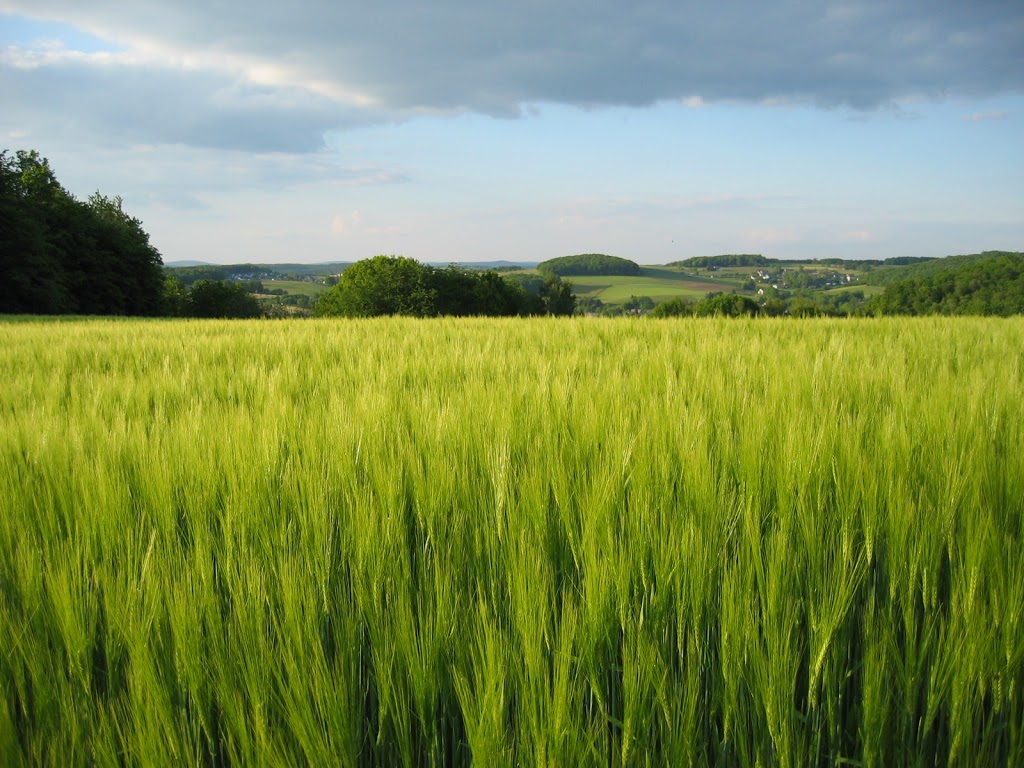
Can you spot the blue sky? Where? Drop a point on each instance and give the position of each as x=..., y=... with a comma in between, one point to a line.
x=463, y=131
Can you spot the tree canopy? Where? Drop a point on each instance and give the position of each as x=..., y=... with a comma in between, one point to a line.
x=589, y=264
x=726, y=260
x=398, y=285
x=59, y=255
x=992, y=285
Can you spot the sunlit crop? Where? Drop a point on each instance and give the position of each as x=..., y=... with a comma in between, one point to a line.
x=512, y=542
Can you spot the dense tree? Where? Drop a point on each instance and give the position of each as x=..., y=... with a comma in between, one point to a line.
x=219, y=298
x=587, y=305
x=726, y=305
x=677, y=307
x=454, y=290
x=62, y=256
x=557, y=296
x=993, y=285
x=396, y=285
x=29, y=269
x=589, y=264
x=726, y=260
x=382, y=285
x=531, y=282
x=497, y=296
x=174, y=298
x=638, y=305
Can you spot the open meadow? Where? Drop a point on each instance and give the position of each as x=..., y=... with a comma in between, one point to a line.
x=512, y=542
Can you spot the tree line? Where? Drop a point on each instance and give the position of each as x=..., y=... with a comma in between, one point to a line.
x=992, y=285
x=398, y=285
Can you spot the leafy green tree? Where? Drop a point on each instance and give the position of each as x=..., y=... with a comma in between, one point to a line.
x=29, y=270
x=588, y=305
x=61, y=256
x=382, y=285
x=531, y=282
x=677, y=307
x=639, y=304
x=394, y=285
x=126, y=258
x=774, y=306
x=174, y=299
x=802, y=306
x=557, y=296
x=218, y=298
x=454, y=291
x=494, y=295
x=726, y=305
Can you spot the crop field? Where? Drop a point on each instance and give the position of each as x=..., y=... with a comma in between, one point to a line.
x=297, y=287
x=616, y=289
x=544, y=542
x=867, y=290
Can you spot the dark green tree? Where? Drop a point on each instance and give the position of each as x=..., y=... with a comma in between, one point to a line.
x=61, y=256
x=556, y=296
x=29, y=269
x=726, y=305
x=589, y=264
x=218, y=298
x=588, y=305
x=394, y=285
x=677, y=307
x=638, y=305
x=174, y=299
x=499, y=297
x=454, y=291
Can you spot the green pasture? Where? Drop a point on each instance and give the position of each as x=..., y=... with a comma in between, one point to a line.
x=868, y=290
x=658, y=283
x=514, y=542
x=298, y=287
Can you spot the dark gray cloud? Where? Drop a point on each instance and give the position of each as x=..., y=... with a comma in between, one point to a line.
x=263, y=74
x=120, y=103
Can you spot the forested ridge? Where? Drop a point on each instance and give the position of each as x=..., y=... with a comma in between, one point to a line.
x=589, y=264
x=991, y=283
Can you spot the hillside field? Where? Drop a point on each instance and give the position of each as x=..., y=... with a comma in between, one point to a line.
x=659, y=283
x=512, y=542
x=296, y=287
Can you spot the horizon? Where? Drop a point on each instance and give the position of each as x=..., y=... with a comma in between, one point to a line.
x=184, y=263
x=319, y=133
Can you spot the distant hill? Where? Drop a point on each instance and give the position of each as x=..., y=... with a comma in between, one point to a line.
x=500, y=264
x=989, y=283
x=897, y=271
x=191, y=271
x=725, y=260
x=187, y=263
x=589, y=264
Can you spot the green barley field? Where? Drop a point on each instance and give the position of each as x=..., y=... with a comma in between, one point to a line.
x=512, y=542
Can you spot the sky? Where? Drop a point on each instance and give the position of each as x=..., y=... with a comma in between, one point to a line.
x=475, y=130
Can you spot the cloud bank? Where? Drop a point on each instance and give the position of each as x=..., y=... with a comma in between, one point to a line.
x=271, y=76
